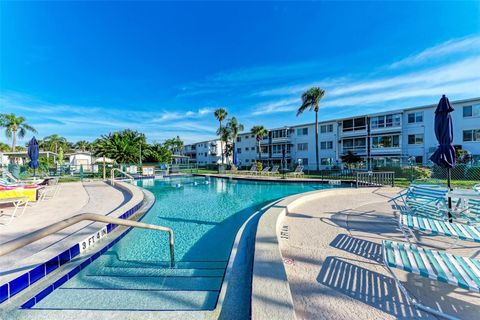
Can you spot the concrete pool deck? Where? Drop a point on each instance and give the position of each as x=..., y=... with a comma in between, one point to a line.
x=72, y=199
x=330, y=244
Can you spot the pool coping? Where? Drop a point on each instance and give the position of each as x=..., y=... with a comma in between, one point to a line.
x=272, y=179
x=270, y=282
x=39, y=271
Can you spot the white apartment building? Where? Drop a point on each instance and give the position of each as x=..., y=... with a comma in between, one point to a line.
x=205, y=152
x=387, y=138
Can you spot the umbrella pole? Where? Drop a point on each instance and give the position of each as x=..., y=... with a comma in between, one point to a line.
x=449, y=178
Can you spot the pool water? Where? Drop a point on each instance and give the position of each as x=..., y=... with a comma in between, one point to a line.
x=205, y=214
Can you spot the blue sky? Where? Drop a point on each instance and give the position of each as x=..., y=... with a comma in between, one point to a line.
x=82, y=69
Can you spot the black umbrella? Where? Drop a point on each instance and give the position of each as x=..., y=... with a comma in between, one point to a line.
x=33, y=154
x=444, y=156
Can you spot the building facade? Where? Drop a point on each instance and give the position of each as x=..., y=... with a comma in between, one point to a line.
x=390, y=138
x=205, y=152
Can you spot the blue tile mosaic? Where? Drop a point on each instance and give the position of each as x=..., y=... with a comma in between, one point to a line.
x=37, y=273
x=4, y=292
x=18, y=284
x=64, y=257
x=74, y=251
x=60, y=281
x=51, y=265
x=45, y=292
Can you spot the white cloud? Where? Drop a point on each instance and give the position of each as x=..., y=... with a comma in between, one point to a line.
x=469, y=45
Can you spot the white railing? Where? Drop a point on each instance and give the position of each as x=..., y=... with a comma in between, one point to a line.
x=112, y=175
x=24, y=240
x=375, y=179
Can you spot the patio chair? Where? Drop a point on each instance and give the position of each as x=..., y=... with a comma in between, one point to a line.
x=50, y=190
x=252, y=170
x=407, y=223
x=274, y=170
x=264, y=171
x=297, y=172
x=469, y=210
x=17, y=202
x=437, y=265
x=423, y=200
x=476, y=188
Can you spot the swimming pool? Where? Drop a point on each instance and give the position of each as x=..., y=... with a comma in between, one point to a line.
x=134, y=274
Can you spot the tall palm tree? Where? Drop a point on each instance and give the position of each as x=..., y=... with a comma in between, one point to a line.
x=15, y=126
x=311, y=99
x=220, y=114
x=259, y=132
x=53, y=142
x=82, y=145
x=234, y=128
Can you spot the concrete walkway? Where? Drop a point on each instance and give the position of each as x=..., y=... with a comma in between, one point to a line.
x=72, y=199
x=334, y=262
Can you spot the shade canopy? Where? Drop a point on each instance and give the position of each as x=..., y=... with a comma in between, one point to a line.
x=444, y=156
x=33, y=153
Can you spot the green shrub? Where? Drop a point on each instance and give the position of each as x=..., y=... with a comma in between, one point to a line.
x=259, y=166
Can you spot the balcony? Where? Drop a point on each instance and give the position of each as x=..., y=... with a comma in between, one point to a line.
x=356, y=131
x=356, y=150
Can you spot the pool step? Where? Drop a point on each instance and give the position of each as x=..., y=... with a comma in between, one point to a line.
x=145, y=283
x=113, y=261
x=154, y=272
x=108, y=299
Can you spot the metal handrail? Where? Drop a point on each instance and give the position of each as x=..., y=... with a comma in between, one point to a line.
x=126, y=174
x=22, y=241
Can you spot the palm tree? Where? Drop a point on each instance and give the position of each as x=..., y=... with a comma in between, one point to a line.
x=311, y=99
x=123, y=146
x=259, y=132
x=15, y=126
x=175, y=145
x=234, y=128
x=220, y=114
x=53, y=142
x=82, y=145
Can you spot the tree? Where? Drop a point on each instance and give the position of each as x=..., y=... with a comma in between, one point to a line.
x=157, y=153
x=175, y=145
x=350, y=158
x=311, y=99
x=259, y=132
x=220, y=114
x=233, y=128
x=53, y=143
x=15, y=126
x=123, y=146
x=4, y=147
x=82, y=145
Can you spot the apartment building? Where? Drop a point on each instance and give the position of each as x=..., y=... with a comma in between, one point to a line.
x=205, y=152
x=388, y=138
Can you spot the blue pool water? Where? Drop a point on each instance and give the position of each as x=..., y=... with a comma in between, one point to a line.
x=205, y=215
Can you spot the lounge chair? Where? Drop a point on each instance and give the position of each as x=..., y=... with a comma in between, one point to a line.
x=252, y=170
x=408, y=223
x=297, y=172
x=476, y=188
x=274, y=170
x=264, y=171
x=50, y=190
x=437, y=265
x=17, y=202
x=423, y=200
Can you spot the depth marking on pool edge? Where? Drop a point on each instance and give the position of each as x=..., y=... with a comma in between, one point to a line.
x=284, y=232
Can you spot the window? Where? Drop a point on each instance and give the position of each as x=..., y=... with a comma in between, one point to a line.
x=326, y=161
x=239, y=150
x=419, y=159
x=415, y=139
x=239, y=139
x=387, y=121
x=324, y=145
x=386, y=142
x=471, y=135
x=282, y=133
x=246, y=149
x=302, y=132
x=303, y=161
x=354, y=124
x=471, y=111
x=302, y=147
x=415, y=117
x=326, y=128
x=357, y=144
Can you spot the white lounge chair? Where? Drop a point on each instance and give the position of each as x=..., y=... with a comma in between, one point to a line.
x=274, y=170
x=264, y=171
x=252, y=170
x=17, y=203
x=437, y=265
x=297, y=172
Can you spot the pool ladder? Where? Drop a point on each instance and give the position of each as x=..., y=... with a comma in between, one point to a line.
x=112, y=175
x=22, y=241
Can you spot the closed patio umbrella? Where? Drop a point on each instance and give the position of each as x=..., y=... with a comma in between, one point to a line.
x=444, y=156
x=33, y=153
